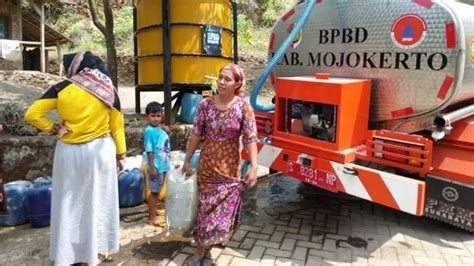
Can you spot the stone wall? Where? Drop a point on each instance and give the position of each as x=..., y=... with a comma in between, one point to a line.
x=31, y=157
x=10, y=65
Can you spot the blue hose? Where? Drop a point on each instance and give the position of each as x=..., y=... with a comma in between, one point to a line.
x=277, y=57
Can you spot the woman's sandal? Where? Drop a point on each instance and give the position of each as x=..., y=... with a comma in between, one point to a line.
x=104, y=258
x=195, y=262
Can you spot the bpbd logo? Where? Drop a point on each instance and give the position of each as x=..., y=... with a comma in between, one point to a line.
x=408, y=31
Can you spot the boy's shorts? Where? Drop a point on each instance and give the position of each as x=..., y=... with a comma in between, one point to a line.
x=156, y=184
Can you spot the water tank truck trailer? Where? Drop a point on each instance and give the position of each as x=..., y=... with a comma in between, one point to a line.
x=375, y=99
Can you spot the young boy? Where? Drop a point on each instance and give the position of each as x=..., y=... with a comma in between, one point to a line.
x=157, y=158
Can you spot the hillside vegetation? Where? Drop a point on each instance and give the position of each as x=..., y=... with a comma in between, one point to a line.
x=255, y=21
x=255, y=18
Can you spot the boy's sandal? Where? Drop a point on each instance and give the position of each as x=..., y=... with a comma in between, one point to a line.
x=158, y=223
x=160, y=212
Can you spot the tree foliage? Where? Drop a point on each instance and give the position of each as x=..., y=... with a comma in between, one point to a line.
x=85, y=36
x=254, y=14
x=246, y=29
x=272, y=10
x=107, y=29
x=263, y=12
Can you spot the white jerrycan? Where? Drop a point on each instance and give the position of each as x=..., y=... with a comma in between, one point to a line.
x=181, y=199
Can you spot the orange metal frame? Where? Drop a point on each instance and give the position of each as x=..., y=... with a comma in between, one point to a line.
x=453, y=156
x=351, y=99
x=264, y=123
x=399, y=150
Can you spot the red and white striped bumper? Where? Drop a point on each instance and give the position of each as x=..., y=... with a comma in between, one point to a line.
x=391, y=190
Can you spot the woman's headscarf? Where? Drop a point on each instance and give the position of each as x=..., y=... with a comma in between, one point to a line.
x=239, y=76
x=76, y=62
x=90, y=73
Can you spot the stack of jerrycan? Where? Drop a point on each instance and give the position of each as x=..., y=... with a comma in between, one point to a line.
x=17, y=203
x=131, y=183
x=39, y=202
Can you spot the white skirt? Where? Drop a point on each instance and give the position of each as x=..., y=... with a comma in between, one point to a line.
x=84, y=208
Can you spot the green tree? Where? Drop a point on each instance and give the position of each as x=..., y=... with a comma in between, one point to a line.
x=263, y=12
x=107, y=30
x=272, y=9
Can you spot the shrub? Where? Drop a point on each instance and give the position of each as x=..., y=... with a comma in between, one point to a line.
x=245, y=28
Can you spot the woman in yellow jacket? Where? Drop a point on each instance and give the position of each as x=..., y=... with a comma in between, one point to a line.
x=88, y=156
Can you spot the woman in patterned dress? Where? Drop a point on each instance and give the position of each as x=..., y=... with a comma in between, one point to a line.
x=220, y=122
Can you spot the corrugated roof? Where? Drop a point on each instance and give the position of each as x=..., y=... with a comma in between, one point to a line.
x=31, y=31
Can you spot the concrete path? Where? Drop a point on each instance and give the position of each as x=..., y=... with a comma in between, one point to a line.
x=127, y=98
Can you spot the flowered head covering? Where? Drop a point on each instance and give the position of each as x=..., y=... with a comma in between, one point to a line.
x=238, y=75
x=76, y=62
x=89, y=72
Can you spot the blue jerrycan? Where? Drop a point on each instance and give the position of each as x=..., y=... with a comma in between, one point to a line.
x=17, y=203
x=39, y=202
x=189, y=105
x=131, y=188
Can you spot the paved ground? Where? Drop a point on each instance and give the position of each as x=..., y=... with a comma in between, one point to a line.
x=279, y=228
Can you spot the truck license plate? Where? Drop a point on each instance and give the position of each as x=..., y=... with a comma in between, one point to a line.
x=312, y=176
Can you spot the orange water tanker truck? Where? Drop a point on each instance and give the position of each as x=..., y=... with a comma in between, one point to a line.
x=375, y=99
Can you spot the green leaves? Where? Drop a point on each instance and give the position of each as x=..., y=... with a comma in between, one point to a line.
x=213, y=82
x=272, y=10
x=246, y=28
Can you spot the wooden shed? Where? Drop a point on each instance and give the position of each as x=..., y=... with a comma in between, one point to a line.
x=25, y=38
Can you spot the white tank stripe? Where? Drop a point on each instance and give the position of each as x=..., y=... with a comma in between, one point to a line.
x=268, y=154
x=351, y=183
x=404, y=191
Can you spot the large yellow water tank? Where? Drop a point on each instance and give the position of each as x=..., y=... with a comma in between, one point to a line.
x=190, y=63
